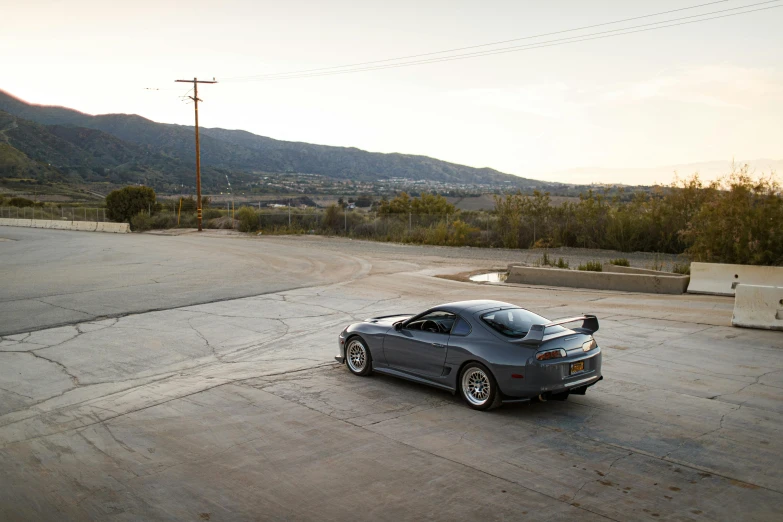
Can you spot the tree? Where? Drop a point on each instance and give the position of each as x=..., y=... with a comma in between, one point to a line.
x=740, y=223
x=21, y=202
x=332, y=218
x=426, y=204
x=432, y=204
x=123, y=204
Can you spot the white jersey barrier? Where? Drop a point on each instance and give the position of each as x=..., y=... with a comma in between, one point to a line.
x=86, y=226
x=758, y=307
x=722, y=279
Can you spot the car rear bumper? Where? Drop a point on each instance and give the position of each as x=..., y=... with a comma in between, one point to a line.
x=550, y=377
x=578, y=387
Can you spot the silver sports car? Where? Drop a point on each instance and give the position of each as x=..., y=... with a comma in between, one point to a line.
x=488, y=351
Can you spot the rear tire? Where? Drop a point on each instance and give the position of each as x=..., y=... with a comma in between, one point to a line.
x=357, y=357
x=478, y=387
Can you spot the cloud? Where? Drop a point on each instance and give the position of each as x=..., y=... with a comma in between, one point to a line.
x=548, y=100
x=721, y=86
x=713, y=85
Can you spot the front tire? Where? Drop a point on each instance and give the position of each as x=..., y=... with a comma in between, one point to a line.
x=478, y=387
x=357, y=357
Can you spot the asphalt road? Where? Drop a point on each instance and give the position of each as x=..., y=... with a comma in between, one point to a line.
x=50, y=278
x=234, y=409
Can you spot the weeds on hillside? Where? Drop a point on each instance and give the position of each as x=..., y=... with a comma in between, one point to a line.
x=591, y=266
x=682, y=268
x=657, y=263
x=620, y=262
x=547, y=261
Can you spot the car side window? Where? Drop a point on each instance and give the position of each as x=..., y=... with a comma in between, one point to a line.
x=435, y=322
x=461, y=327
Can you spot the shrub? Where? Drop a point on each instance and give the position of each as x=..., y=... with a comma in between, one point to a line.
x=248, y=219
x=125, y=203
x=140, y=222
x=682, y=268
x=164, y=220
x=543, y=243
x=463, y=234
x=620, y=262
x=333, y=218
x=591, y=266
x=561, y=263
x=21, y=202
x=187, y=204
x=211, y=213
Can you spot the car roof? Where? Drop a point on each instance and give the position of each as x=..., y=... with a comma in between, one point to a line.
x=473, y=306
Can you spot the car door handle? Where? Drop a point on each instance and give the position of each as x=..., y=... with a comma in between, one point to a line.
x=438, y=345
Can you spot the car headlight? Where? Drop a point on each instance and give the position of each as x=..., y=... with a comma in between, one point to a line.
x=589, y=345
x=551, y=354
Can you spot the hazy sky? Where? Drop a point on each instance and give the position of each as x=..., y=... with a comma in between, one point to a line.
x=698, y=92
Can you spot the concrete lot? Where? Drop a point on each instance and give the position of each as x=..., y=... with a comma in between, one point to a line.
x=234, y=410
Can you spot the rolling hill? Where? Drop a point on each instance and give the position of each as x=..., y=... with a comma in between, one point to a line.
x=127, y=143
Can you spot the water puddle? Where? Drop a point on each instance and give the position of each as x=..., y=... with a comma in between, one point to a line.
x=491, y=277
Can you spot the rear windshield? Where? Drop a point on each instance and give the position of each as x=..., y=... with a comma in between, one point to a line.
x=516, y=322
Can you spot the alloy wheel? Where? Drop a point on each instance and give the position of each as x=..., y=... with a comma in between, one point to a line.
x=476, y=386
x=356, y=356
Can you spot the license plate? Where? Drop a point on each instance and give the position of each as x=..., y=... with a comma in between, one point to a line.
x=577, y=367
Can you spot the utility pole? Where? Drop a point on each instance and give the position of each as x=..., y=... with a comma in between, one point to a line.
x=195, y=82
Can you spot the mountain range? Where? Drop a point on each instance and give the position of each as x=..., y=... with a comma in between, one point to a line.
x=707, y=170
x=47, y=142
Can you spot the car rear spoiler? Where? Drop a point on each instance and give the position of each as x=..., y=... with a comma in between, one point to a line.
x=536, y=333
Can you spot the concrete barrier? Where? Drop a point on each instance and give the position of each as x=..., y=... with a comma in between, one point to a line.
x=652, y=284
x=609, y=267
x=114, y=228
x=84, y=226
x=758, y=307
x=722, y=279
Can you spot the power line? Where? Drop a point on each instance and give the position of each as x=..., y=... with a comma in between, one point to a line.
x=480, y=45
x=550, y=43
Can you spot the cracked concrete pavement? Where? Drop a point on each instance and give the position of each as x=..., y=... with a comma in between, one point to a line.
x=234, y=409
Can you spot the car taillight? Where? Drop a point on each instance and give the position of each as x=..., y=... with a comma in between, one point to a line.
x=551, y=354
x=589, y=345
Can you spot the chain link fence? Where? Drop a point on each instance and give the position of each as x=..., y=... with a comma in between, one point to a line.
x=55, y=213
x=461, y=228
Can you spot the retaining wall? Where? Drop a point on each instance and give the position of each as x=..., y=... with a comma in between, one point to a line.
x=722, y=279
x=652, y=284
x=758, y=307
x=609, y=267
x=85, y=226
